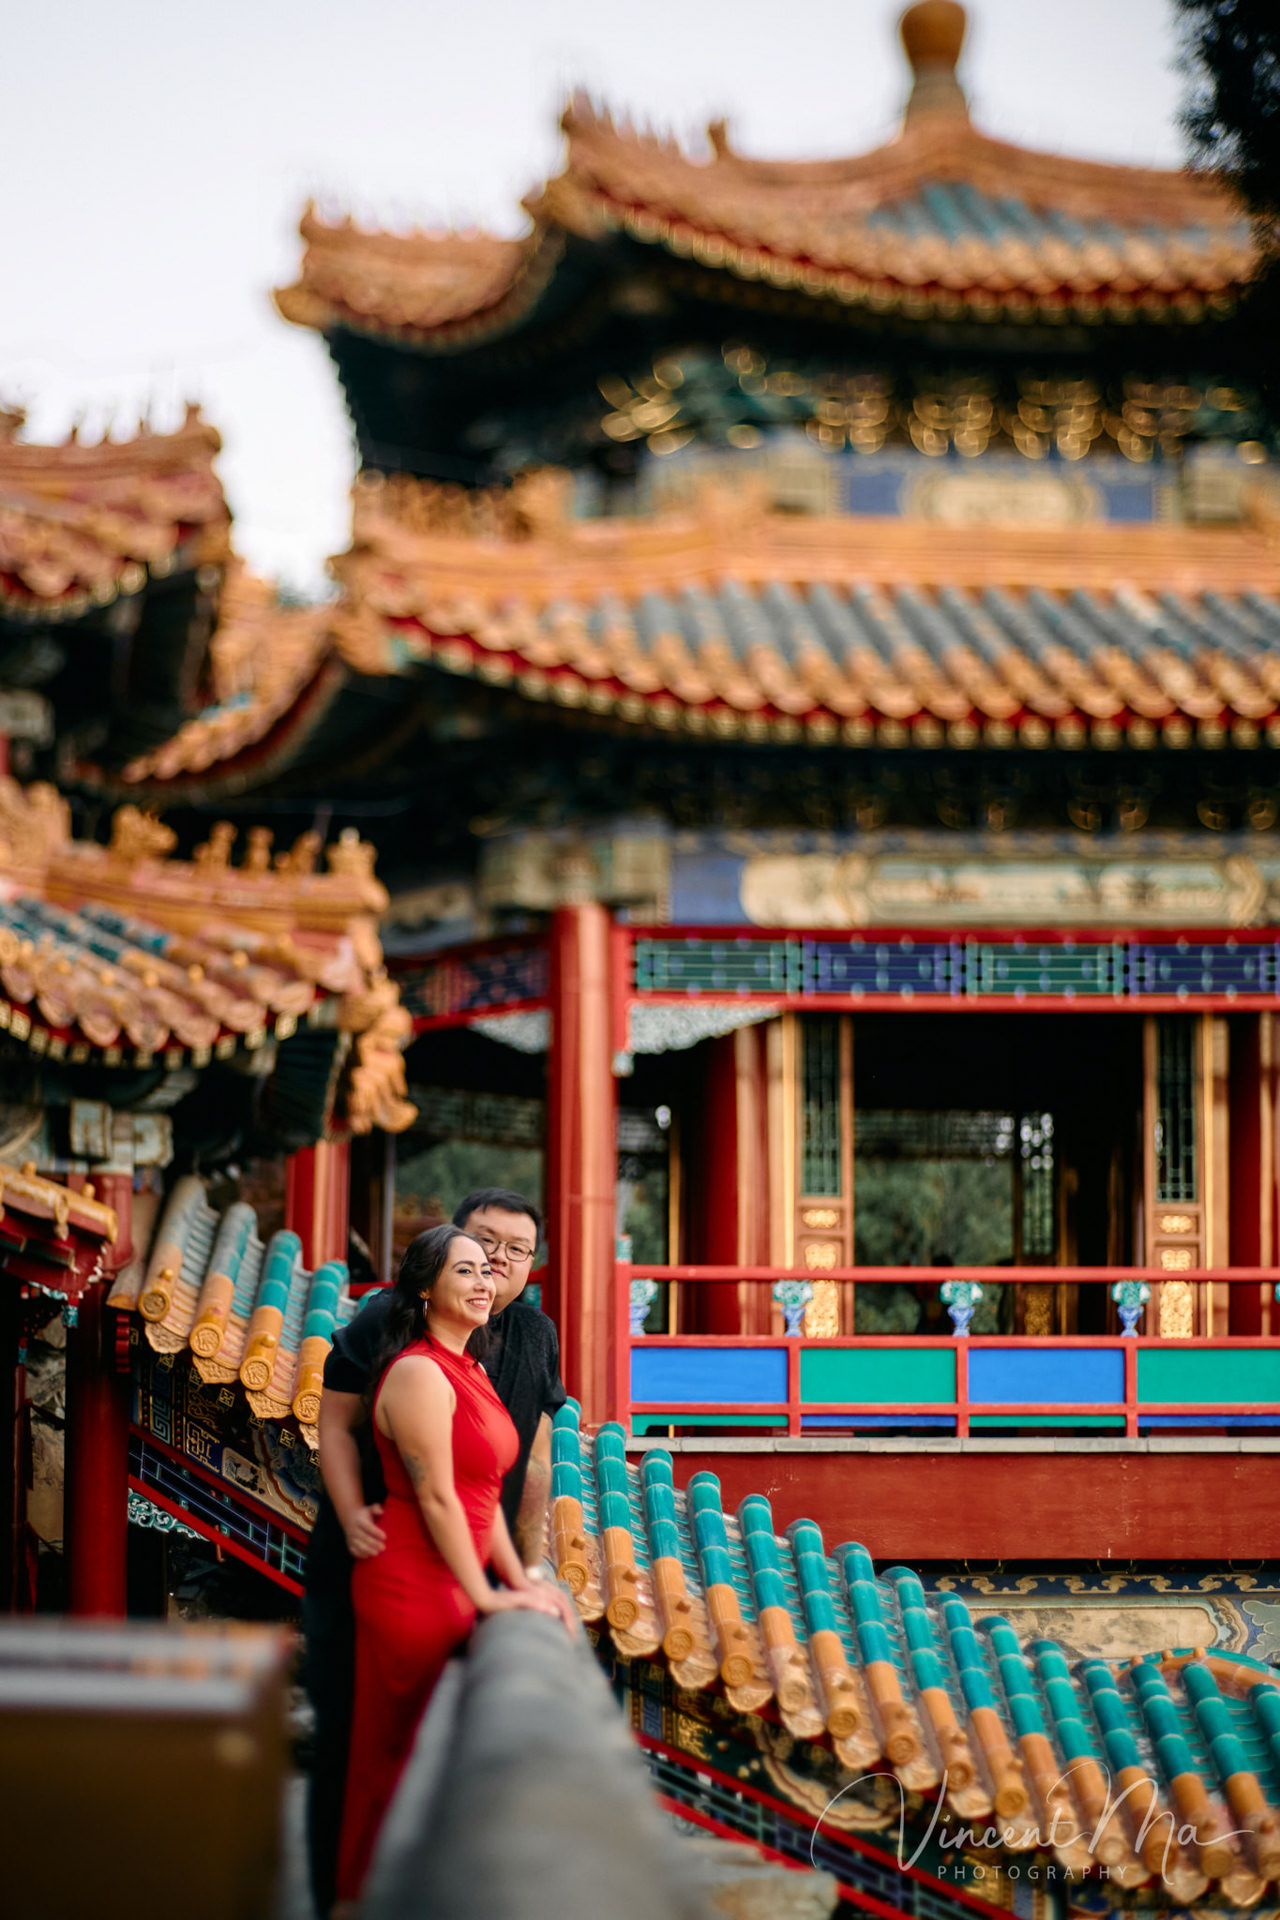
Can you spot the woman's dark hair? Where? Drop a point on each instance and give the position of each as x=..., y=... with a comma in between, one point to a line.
x=421, y=1267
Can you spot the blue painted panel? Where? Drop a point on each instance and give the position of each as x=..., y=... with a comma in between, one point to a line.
x=704, y=888
x=848, y=1420
x=1194, y=966
x=1128, y=502
x=1231, y=1419
x=877, y=491
x=903, y=966
x=1049, y=1376
x=711, y=1376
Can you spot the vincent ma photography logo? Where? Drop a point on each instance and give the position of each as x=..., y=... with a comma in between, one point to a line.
x=1063, y=1831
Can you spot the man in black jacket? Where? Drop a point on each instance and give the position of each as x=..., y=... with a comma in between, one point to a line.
x=523, y=1362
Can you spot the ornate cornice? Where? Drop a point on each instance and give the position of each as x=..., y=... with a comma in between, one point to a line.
x=81, y=524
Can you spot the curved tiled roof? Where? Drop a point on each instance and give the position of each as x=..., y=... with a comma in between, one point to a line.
x=926, y=224
x=264, y=659
x=82, y=524
x=250, y=1315
x=1162, y=1771
x=453, y=288
x=108, y=951
x=728, y=621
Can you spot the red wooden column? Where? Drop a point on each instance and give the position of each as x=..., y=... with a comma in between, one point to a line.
x=97, y=1443
x=582, y=1161
x=728, y=1172
x=1252, y=1120
x=12, y=1429
x=316, y=1200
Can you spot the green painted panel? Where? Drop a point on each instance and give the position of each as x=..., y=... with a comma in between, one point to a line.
x=1003, y=1422
x=1022, y=967
x=1209, y=1376
x=863, y=1376
x=718, y=966
x=659, y=1422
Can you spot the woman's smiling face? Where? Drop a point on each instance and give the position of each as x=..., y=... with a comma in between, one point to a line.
x=464, y=1287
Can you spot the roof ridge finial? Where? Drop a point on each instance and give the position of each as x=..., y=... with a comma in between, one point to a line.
x=932, y=35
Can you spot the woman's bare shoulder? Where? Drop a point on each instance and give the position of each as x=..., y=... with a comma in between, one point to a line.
x=416, y=1376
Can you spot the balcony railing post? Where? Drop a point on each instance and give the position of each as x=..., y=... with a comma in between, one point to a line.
x=793, y=1389
x=1131, y=1388
x=962, y=1388
x=622, y=1344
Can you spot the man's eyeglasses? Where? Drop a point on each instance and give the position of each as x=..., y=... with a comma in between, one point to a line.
x=517, y=1251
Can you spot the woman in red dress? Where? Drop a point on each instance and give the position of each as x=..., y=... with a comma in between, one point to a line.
x=446, y=1441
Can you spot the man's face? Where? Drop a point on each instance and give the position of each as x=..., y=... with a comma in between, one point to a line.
x=510, y=1241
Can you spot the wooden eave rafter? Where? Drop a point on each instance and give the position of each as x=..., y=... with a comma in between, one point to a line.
x=263, y=658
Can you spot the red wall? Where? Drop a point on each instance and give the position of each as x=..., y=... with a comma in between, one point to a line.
x=1016, y=1506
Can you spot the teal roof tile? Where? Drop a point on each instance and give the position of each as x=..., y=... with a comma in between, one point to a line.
x=1215, y=1717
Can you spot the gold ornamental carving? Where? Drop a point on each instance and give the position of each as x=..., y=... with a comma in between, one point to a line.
x=826, y=1218
x=1176, y=1309
x=821, y=1255
x=1176, y=1223
x=972, y=498
x=1176, y=1259
x=1037, y=1311
x=822, y=1315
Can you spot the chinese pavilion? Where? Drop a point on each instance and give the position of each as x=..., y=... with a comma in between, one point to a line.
x=809, y=654
x=810, y=634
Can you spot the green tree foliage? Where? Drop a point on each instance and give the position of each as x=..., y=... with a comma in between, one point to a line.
x=453, y=1168
x=920, y=1213
x=1231, y=58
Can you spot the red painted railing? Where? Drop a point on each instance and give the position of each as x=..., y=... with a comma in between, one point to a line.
x=1213, y=1360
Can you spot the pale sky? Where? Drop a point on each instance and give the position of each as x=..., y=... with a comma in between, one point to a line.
x=155, y=159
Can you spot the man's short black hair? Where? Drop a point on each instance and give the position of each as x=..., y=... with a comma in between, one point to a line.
x=497, y=1197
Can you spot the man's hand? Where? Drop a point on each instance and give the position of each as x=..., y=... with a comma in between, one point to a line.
x=530, y=1529
x=365, y=1537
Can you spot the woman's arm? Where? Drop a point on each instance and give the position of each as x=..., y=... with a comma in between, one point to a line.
x=503, y=1558
x=508, y=1566
x=418, y=1404
x=340, y=1469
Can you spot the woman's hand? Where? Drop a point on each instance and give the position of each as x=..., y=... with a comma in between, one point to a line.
x=535, y=1598
x=365, y=1537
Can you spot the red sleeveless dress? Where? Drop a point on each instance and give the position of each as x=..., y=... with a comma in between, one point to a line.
x=411, y=1614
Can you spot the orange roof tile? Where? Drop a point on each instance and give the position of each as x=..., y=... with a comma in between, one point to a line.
x=122, y=951
x=200, y=1289
x=81, y=524
x=927, y=223
x=729, y=620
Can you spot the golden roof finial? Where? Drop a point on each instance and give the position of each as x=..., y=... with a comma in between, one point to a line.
x=932, y=36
